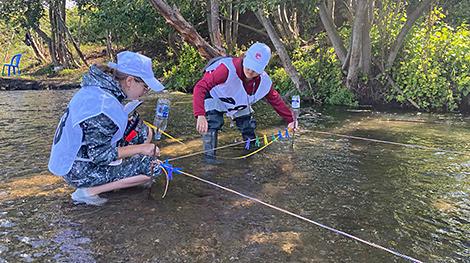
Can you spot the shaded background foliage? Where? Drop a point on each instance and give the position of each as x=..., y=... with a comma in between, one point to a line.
x=431, y=68
x=434, y=67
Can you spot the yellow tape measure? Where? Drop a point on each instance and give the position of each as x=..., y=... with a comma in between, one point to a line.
x=164, y=133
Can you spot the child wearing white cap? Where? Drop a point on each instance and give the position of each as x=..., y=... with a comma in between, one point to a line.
x=231, y=86
x=91, y=149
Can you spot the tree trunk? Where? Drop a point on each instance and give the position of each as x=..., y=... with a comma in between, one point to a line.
x=187, y=31
x=300, y=83
x=52, y=46
x=62, y=50
x=175, y=41
x=236, y=17
x=109, y=45
x=61, y=16
x=333, y=34
x=356, y=45
x=422, y=6
x=330, y=6
x=279, y=23
x=80, y=20
x=345, y=65
x=287, y=22
x=214, y=27
x=48, y=41
x=366, y=58
x=37, y=51
x=295, y=24
x=75, y=45
x=228, y=28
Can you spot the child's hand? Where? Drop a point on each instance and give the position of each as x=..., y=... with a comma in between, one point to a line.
x=201, y=124
x=150, y=149
x=293, y=126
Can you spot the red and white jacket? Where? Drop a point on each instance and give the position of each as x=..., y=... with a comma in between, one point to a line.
x=224, y=79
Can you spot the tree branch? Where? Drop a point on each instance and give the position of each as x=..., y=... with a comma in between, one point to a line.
x=261, y=32
x=77, y=48
x=332, y=32
x=423, y=5
x=186, y=30
x=299, y=82
x=215, y=24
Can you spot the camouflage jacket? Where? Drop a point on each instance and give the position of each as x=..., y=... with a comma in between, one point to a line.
x=97, y=134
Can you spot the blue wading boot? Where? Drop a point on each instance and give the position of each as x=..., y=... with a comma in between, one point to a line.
x=209, y=143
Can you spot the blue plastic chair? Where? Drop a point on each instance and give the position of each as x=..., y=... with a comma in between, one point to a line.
x=14, y=64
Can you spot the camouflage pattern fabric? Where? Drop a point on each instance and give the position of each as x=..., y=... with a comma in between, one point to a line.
x=97, y=134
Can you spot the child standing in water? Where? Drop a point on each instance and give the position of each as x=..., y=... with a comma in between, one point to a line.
x=231, y=86
x=88, y=149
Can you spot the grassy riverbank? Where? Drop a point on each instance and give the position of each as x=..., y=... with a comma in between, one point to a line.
x=33, y=71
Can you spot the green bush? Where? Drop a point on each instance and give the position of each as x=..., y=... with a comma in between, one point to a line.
x=434, y=65
x=131, y=22
x=184, y=74
x=321, y=69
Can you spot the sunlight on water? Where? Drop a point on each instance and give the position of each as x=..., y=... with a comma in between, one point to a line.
x=415, y=201
x=33, y=186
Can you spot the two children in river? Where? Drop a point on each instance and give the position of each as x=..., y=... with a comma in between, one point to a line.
x=92, y=149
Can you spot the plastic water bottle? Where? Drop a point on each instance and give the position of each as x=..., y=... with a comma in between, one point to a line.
x=162, y=111
x=296, y=106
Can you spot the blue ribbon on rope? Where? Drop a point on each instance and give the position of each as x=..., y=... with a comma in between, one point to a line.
x=279, y=135
x=170, y=169
x=287, y=136
x=247, y=145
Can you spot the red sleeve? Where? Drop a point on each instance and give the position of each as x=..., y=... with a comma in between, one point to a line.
x=279, y=106
x=204, y=85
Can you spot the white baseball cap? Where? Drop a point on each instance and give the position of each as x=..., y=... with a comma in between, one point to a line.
x=257, y=57
x=137, y=65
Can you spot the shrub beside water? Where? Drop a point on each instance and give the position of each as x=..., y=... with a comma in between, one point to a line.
x=186, y=71
x=322, y=70
x=434, y=67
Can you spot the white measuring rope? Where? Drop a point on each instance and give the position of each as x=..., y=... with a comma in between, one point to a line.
x=217, y=148
x=305, y=219
x=389, y=142
x=398, y=254
x=333, y=134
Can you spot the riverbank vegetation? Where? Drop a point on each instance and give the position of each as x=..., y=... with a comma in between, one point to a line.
x=341, y=52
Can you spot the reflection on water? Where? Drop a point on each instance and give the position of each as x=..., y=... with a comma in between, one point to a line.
x=411, y=200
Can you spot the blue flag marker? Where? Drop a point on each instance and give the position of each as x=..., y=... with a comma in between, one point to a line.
x=170, y=169
x=247, y=145
x=287, y=133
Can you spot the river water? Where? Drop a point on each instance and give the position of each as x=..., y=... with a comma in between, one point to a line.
x=411, y=200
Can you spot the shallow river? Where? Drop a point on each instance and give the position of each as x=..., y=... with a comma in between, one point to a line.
x=412, y=200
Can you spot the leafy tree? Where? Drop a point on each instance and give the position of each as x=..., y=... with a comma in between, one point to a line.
x=434, y=65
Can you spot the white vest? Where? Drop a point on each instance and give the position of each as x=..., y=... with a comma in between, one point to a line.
x=231, y=97
x=88, y=102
